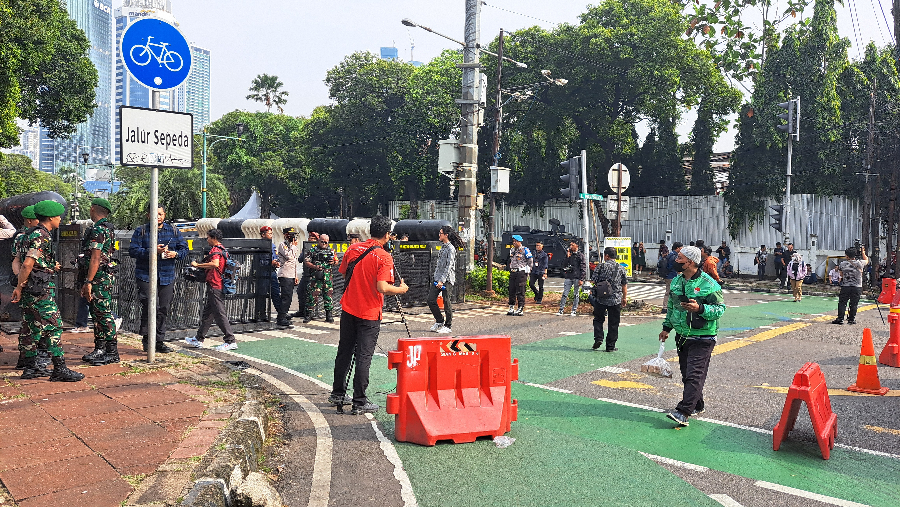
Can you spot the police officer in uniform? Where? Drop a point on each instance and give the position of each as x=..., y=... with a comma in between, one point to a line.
x=96, y=272
x=26, y=340
x=318, y=262
x=37, y=292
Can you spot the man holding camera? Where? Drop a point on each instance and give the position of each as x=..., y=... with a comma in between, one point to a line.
x=851, y=268
x=574, y=268
x=287, y=255
x=318, y=262
x=609, y=291
x=170, y=247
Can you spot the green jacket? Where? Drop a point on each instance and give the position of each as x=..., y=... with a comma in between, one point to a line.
x=705, y=291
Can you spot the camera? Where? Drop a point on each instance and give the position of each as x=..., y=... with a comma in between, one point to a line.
x=857, y=247
x=193, y=274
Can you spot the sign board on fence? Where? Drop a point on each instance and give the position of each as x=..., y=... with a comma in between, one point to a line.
x=153, y=138
x=623, y=252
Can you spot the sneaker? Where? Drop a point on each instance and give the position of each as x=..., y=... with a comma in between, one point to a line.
x=574, y=313
x=697, y=412
x=193, y=342
x=614, y=349
x=368, y=408
x=597, y=344
x=837, y=321
x=436, y=327
x=519, y=311
x=851, y=322
x=337, y=399
x=678, y=417
x=84, y=329
x=559, y=313
x=118, y=321
x=226, y=347
x=444, y=330
x=512, y=310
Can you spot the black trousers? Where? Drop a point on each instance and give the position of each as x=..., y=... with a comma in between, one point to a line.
x=539, y=289
x=693, y=360
x=266, y=287
x=287, y=297
x=433, y=306
x=781, y=274
x=214, y=309
x=358, y=339
x=852, y=295
x=301, y=295
x=615, y=315
x=165, y=293
x=517, y=288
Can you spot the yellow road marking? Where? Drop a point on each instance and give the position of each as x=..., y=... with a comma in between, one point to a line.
x=831, y=392
x=622, y=384
x=878, y=429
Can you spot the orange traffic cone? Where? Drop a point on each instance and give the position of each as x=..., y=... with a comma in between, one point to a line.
x=867, y=375
x=890, y=355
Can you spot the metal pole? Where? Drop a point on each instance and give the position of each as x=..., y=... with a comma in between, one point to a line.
x=203, y=183
x=154, y=257
x=496, y=158
x=619, y=200
x=471, y=94
x=584, y=206
x=867, y=191
x=787, y=194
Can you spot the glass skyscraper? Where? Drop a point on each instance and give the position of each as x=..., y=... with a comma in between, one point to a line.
x=94, y=136
x=193, y=95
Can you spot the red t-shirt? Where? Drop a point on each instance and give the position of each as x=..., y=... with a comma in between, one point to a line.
x=361, y=299
x=214, y=275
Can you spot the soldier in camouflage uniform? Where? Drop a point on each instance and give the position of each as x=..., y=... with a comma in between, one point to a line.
x=36, y=291
x=318, y=263
x=26, y=340
x=96, y=273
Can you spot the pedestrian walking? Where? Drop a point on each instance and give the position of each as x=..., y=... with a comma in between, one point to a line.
x=318, y=262
x=520, y=261
x=267, y=278
x=538, y=272
x=369, y=274
x=287, y=254
x=444, y=280
x=796, y=272
x=609, y=290
x=709, y=263
x=97, y=275
x=694, y=311
x=670, y=272
x=27, y=341
x=776, y=258
x=170, y=247
x=760, y=260
x=214, y=309
x=575, y=273
x=36, y=292
x=851, y=268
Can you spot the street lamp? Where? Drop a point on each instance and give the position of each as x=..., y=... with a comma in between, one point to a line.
x=239, y=129
x=409, y=22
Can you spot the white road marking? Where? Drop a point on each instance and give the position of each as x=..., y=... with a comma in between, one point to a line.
x=675, y=462
x=765, y=327
x=548, y=388
x=247, y=338
x=613, y=369
x=725, y=500
x=762, y=302
x=806, y=494
x=390, y=452
x=570, y=333
x=633, y=405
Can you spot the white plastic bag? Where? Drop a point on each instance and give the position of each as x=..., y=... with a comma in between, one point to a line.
x=658, y=366
x=503, y=442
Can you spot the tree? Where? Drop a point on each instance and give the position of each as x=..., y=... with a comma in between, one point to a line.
x=45, y=73
x=267, y=90
x=17, y=176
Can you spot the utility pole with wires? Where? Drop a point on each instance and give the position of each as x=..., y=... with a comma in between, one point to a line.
x=468, y=143
x=867, y=189
x=496, y=157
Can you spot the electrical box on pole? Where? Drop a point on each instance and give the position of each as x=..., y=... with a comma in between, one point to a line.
x=571, y=179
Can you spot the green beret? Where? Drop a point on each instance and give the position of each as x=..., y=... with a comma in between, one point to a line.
x=28, y=212
x=49, y=209
x=103, y=203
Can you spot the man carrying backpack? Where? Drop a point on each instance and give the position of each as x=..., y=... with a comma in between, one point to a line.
x=610, y=288
x=214, y=309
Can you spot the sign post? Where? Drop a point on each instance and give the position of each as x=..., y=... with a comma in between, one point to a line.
x=158, y=56
x=623, y=252
x=618, y=179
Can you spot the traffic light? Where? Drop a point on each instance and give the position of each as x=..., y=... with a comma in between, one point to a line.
x=792, y=115
x=777, y=217
x=573, y=170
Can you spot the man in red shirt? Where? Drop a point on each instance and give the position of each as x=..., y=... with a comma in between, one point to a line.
x=369, y=274
x=214, y=309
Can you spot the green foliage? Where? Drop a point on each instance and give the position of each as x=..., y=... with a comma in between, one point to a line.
x=267, y=90
x=477, y=280
x=45, y=73
x=17, y=177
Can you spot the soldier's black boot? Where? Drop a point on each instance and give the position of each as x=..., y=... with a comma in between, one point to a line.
x=110, y=353
x=328, y=317
x=62, y=374
x=98, y=351
x=43, y=359
x=33, y=370
x=20, y=364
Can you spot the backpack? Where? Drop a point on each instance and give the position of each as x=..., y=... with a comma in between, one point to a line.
x=229, y=274
x=662, y=266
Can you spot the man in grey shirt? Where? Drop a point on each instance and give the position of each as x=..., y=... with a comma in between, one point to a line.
x=851, y=284
x=287, y=254
x=609, y=277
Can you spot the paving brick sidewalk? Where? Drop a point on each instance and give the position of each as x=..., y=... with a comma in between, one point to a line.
x=89, y=443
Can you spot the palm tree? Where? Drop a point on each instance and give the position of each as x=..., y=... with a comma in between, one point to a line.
x=266, y=90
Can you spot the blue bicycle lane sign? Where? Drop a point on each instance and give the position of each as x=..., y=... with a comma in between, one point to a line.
x=156, y=54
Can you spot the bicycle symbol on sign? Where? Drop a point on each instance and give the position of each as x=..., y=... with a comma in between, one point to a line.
x=170, y=59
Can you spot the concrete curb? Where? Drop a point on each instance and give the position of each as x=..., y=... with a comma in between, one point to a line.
x=228, y=476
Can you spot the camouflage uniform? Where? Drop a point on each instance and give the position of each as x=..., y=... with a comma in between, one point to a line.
x=100, y=237
x=39, y=311
x=27, y=342
x=317, y=286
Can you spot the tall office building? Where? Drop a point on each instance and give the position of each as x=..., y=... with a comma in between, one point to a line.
x=193, y=95
x=94, y=136
x=29, y=143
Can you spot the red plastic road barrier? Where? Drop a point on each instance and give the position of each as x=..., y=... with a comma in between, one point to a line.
x=452, y=388
x=809, y=386
x=888, y=291
x=890, y=355
x=867, y=380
